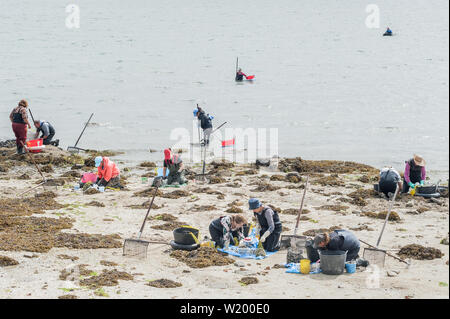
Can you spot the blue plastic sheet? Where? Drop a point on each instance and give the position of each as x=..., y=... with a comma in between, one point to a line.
x=294, y=268
x=236, y=254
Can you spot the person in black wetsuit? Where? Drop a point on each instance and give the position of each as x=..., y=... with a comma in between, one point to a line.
x=269, y=225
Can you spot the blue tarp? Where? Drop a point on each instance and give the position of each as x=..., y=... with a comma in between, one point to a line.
x=236, y=254
x=294, y=268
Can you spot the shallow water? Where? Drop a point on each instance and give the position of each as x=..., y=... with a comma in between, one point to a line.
x=334, y=88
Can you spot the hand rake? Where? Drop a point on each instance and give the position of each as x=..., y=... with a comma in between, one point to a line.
x=375, y=255
x=295, y=240
x=138, y=247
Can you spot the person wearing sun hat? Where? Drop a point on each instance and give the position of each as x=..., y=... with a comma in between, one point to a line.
x=269, y=224
x=415, y=173
x=108, y=172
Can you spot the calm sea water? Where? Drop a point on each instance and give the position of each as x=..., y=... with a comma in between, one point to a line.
x=334, y=88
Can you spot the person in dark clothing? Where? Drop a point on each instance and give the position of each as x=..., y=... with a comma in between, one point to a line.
x=338, y=240
x=47, y=132
x=388, y=32
x=415, y=173
x=390, y=179
x=224, y=229
x=175, y=166
x=269, y=225
x=240, y=75
x=205, y=124
x=19, y=120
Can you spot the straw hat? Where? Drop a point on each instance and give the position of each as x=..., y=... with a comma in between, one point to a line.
x=418, y=160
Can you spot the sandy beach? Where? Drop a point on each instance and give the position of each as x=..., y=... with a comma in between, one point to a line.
x=52, y=264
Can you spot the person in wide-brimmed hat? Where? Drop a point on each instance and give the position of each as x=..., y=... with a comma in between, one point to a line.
x=415, y=173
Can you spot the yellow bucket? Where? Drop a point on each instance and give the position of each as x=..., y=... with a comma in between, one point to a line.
x=305, y=266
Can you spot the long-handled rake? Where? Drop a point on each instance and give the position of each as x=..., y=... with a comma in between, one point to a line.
x=75, y=149
x=295, y=240
x=375, y=255
x=44, y=179
x=138, y=247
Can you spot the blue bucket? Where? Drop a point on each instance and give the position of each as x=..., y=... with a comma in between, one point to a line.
x=350, y=268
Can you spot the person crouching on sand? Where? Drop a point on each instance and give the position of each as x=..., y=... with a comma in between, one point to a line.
x=269, y=225
x=108, y=172
x=415, y=173
x=47, y=132
x=343, y=240
x=225, y=228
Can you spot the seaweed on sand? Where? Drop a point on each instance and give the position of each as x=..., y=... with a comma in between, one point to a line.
x=265, y=187
x=419, y=252
x=202, y=208
x=164, y=217
x=393, y=216
x=336, y=208
x=7, y=261
x=106, y=278
x=176, y=194
x=87, y=241
x=202, y=257
x=248, y=281
x=235, y=210
x=164, y=283
x=340, y=167
x=314, y=232
x=169, y=226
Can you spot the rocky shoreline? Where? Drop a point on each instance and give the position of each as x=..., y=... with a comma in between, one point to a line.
x=53, y=233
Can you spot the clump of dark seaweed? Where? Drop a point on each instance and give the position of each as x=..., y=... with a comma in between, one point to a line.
x=202, y=257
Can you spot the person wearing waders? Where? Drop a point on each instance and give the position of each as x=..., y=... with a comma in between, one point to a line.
x=205, y=124
x=390, y=179
x=343, y=240
x=224, y=229
x=415, y=173
x=240, y=75
x=19, y=120
x=269, y=225
x=175, y=166
x=47, y=130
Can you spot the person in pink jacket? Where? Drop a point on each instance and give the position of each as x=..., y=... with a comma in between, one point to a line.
x=108, y=172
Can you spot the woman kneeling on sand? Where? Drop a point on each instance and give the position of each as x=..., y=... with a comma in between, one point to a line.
x=269, y=225
x=225, y=228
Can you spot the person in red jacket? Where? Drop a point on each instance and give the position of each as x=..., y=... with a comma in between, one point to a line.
x=108, y=172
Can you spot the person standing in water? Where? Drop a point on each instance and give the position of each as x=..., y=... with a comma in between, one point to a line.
x=240, y=75
x=388, y=32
